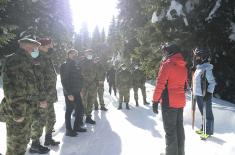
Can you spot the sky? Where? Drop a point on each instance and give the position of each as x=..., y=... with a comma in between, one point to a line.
x=93, y=12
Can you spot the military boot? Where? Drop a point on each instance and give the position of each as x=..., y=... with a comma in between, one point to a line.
x=127, y=106
x=89, y=120
x=50, y=141
x=120, y=106
x=103, y=108
x=136, y=103
x=36, y=147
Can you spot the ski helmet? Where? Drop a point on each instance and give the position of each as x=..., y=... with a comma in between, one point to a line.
x=170, y=48
x=202, y=54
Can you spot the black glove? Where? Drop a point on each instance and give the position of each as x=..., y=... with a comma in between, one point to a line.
x=155, y=107
x=208, y=96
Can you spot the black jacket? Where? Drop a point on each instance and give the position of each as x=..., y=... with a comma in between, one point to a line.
x=111, y=75
x=71, y=77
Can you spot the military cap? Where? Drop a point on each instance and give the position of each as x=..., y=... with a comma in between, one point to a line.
x=45, y=41
x=28, y=40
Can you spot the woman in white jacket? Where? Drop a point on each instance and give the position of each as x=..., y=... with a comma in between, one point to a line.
x=203, y=88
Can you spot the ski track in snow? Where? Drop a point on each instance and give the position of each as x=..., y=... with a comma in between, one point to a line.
x=138, y=131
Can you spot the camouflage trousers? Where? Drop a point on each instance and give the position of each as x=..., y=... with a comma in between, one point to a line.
x=124, y=95
x=40, y=118
x=50, y=118
x=100, y=92
x=37, y=121
x=143, y=90
x=89, y=98
x=18, y=135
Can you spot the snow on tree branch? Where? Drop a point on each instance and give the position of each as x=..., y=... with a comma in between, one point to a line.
x=175, y=9
x=216, y=7
x=232, y=35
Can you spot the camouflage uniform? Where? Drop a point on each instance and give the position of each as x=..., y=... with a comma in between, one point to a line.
x=124, y=82
x=139, y=79
x=38, y=113
x=101, y=72
x=20, y=90
x=89, y=73
x=50, y=87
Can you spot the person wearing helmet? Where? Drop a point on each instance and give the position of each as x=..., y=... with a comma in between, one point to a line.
x=170, y=93
x=203, y=88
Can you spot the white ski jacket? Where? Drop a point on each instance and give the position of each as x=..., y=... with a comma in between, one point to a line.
x=197, y=89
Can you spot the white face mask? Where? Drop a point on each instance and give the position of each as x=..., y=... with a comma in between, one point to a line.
x=136, y=67
x=89, y=57
x=123, y=68
x=35, y=53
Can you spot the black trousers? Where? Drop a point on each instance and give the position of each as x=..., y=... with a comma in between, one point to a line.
x=112, y=85
x=78, y=107
x=174, y=129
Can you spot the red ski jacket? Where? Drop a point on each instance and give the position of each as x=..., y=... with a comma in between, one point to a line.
x=171, y=81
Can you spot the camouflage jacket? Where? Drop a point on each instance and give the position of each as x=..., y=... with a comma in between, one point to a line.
x=101, y=71
x=89, y=73
x=20, y=85
x=139, y=77
x=50, y=78
x=123, y=79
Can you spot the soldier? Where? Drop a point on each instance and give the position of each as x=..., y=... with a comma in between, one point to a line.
x=21, y=92
x=111, y=80
x=50, y=78
x=101, y=72
x=72, y=82
x=89, y=73
x=38, y=113
x=124, y=82
x=139, y=79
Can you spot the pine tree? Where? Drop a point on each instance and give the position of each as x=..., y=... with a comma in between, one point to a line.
x=190, y=23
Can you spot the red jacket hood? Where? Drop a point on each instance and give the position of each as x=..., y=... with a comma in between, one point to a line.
x=176, y=59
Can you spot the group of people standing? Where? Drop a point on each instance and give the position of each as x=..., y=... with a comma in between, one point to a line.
x=29, y=84
x=171, y=84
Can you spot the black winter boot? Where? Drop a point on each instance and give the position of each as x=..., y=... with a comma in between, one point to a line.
x=50, y=141
x=71, y=133
x=80, y=129
x=36, y=147
x=120, y=106
x=136, y=103
x=89, y=120
x=103, y=108
x=127, y=106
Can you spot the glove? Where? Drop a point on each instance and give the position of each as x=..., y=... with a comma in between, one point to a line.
x=155, y=107
x=208, y=96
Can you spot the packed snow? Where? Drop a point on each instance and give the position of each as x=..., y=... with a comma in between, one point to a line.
x=138, y=131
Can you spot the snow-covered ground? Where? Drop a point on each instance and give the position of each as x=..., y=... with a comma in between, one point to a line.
x=138, y=131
